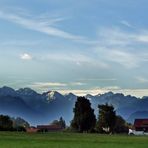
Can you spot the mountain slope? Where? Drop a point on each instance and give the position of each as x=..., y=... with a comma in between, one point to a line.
x=137, y=115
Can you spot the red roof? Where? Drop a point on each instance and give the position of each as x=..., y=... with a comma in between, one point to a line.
x=49, y=127
x=141, y=123
x=31, y=130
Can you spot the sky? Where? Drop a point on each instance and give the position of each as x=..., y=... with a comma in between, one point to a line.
x=85, y=46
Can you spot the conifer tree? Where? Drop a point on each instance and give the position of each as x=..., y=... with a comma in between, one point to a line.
x=84, y=118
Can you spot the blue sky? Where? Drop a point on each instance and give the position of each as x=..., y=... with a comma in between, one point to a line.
x=82, y=47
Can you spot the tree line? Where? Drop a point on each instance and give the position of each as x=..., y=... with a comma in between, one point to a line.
x=12, y=124
x=108, y=121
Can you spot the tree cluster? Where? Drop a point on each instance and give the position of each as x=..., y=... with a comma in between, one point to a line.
x=12, y=124
x=84, y=119
x=20, y=124
x=6, y=123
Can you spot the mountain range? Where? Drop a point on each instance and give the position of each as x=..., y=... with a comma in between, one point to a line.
x=43, y=108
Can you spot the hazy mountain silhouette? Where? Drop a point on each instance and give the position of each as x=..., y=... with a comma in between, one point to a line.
x=42, y=108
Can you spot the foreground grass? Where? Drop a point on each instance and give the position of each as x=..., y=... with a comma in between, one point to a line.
x=70, y=140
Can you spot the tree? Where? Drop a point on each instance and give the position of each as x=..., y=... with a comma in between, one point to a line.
x=120, y=126
x=6, y=123
x=60, y=122
x=20, y=124
x=55, y=122
x=106, y=118
x=84, y=118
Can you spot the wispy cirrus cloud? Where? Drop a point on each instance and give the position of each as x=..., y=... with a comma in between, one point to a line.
x=113, y=44
x=122, y=47
x=126, y=23
x=77, y=58
x=124, y=58
x=39, y=25
x=142, y=80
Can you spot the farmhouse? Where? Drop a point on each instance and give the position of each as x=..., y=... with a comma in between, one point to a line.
x=141, y=125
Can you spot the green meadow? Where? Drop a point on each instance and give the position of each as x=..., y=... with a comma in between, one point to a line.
x=70, y=140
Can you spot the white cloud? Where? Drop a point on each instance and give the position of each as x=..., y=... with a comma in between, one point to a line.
x=83, y=92
x=47, y=84
x=62, y=88
x=111, y=88
x=77, y=84
x=142, y=38
x=26, y=56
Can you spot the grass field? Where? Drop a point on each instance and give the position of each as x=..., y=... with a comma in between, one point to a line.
x=68, y=140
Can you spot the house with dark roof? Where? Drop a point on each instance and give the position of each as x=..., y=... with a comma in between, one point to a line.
x=140, y=127
x=44, y=128
x=49, y=128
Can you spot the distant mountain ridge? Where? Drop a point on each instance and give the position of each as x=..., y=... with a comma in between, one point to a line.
x=42, y=108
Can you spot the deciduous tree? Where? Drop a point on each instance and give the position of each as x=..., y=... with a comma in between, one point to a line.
x=106, y=118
